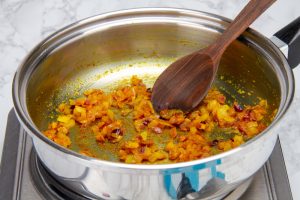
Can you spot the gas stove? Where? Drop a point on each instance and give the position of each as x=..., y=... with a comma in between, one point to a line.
x=23, y=176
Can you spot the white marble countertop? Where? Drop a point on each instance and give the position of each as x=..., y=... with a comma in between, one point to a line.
x=23, y=23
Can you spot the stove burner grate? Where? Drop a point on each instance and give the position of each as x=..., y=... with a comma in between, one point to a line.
x=46, y=184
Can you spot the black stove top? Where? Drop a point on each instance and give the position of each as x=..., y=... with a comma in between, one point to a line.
x=23, y=176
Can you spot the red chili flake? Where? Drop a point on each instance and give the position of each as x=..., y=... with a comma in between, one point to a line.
x=237, y=107
x=214, y=143
x=117, y=131
x=87, y=102
x=142, y=149
x=215, y=118
x=246, y=117
x=146, y=122
x=157, y=130
x=241, y=129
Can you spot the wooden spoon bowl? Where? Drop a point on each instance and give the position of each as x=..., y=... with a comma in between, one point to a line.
x=186, y=82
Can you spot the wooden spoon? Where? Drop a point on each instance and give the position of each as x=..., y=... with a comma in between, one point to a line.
x=186, y=82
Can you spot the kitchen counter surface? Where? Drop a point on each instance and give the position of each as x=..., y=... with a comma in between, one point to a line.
x=24, y=23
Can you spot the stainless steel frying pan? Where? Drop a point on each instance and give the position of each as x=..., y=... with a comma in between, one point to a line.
x=102, y=50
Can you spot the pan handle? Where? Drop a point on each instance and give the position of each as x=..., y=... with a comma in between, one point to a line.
x=290, y=35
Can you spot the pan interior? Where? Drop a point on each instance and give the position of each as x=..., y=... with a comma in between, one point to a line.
x=104, y=58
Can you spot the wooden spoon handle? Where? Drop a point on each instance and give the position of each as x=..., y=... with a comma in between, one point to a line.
x=250, y=12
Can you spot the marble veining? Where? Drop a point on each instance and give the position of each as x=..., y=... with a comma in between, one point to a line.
x=24, y=23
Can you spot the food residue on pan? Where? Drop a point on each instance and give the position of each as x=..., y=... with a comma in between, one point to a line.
x=123, y=125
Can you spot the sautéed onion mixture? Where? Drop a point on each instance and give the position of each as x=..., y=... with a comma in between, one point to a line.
x=123, y=125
